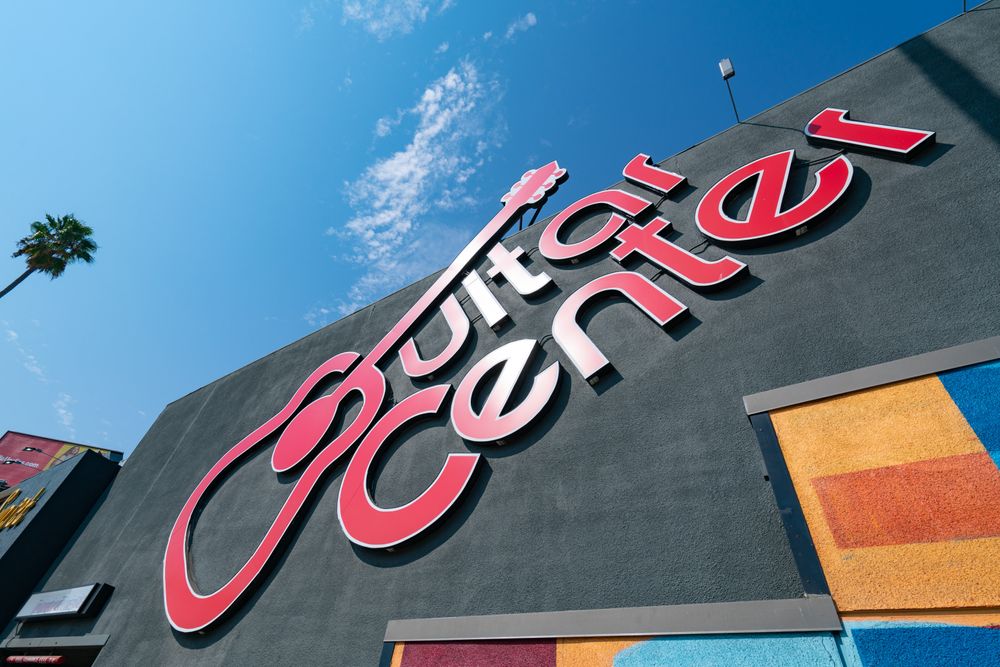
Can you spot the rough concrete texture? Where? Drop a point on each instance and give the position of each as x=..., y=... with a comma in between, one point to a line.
x=785, y=650
x=520, y=653
x=925, y=644
x=893, y=640
x=947, y=498
x=895, y=486
x=648, y=490
x=976, y=391
x=597, y=652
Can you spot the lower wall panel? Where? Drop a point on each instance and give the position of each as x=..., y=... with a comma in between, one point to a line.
x=899, y=486
x=959, y=639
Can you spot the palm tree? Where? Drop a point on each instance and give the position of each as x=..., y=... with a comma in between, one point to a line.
x=53, y=245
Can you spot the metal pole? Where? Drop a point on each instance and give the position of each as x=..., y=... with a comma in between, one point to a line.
x=733, y=100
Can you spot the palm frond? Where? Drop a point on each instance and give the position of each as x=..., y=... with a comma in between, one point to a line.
x=56, y=243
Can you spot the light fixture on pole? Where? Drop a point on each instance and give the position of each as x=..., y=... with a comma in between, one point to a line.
x=728, y=72
x=38, y=451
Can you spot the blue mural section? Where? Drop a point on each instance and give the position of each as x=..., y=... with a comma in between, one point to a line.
x=775, y=650
x=892, y=644
x=976, y=392
x=862, y=644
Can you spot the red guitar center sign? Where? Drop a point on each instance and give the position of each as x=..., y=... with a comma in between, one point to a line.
x=300, y=427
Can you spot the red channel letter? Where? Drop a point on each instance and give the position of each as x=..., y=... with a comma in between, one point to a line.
x=618, y=200
x=641, y=171
x=458, y=323
x=833, y=125
x=495, y=422
x=369, y=525
x=765, y=218
x=507, y=263
x=690, y=269
x=188, y=610
x=304, y=432
x=588, y=359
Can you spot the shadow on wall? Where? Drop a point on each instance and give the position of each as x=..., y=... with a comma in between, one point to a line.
x=974, y=98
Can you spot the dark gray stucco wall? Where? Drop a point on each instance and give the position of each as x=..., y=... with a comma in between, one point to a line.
x=649, y=491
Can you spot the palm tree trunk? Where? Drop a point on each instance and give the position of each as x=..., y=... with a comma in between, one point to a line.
x=16, y=282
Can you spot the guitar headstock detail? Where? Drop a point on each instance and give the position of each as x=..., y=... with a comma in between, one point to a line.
x=535, y=185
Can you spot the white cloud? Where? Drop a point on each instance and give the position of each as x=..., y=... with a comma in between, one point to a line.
x=441, y=48
x=30, y=363
x=61, y=405
x=526, y=22
x=28, y=360
x=446, y=5
x=396, y=232
x=308, y=14
x=488, y=35
x=383, y=127
x=385, y=18
x=386, y=124
x=306, y=19
x=319, y=316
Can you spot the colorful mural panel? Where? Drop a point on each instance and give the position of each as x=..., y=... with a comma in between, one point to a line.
x=899, y=493
x=894, y=643
x=900, y=488
x=951, y=642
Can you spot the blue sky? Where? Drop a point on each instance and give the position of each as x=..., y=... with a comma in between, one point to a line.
x=255, y=170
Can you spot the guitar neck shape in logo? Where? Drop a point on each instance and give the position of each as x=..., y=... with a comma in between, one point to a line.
x=300, y=432
x=629, y=229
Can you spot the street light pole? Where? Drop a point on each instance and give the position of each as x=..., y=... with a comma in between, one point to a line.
x=728, y=72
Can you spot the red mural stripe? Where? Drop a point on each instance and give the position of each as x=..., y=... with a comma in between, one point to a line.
x=512, y=653
x=948, y=498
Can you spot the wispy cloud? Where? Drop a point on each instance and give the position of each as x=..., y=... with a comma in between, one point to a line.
x=28, y=360
x=396, y=231
x=441, y=48
x=306, y=19
x=526, y=22
x=386, y=18
x=308, y=14
x=488, y=35
x=386, y=124
x=383, y=127
x=63, y=413
x=63, y=400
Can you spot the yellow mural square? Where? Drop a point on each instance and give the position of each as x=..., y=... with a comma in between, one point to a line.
x=902, y=430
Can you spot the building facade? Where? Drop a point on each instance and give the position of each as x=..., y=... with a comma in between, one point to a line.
x=739, y=408
x=23, y=455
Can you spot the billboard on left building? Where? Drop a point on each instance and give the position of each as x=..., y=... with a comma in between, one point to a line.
x=23, y=455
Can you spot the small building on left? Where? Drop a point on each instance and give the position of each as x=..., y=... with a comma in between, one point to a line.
x=48, y=490
x=23, y=455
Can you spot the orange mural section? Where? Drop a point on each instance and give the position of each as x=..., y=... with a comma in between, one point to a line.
x=900, y=496
x=900, y=487
x=397, y=655
x=947, y=498
x=597, y=652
